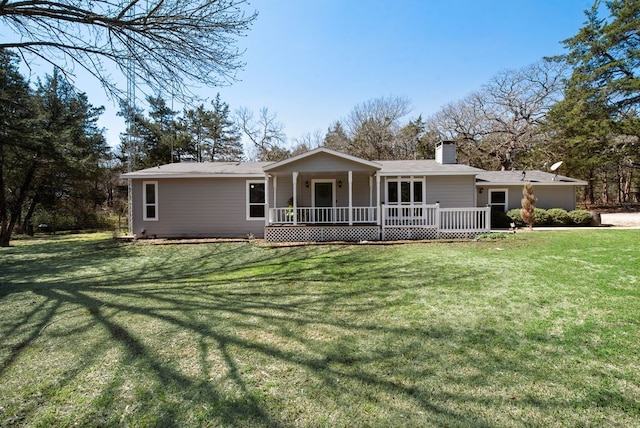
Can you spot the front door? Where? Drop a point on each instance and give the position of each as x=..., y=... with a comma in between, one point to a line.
x=323, y=201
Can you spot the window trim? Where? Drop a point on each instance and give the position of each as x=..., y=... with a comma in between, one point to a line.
x=145, y=204
x=506, y=197
x=411, y=181
x=249, y=204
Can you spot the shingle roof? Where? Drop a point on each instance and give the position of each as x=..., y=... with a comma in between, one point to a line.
x=517, y=177
x=201, y=169
x=388, y=168
x=425, y=167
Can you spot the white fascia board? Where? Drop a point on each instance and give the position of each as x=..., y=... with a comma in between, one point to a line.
x=533, y=183
x=424, y=174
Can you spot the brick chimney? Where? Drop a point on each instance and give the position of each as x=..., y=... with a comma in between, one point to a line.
x=446, y=152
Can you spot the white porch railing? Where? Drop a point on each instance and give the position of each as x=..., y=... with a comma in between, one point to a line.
x=465, y=219
x=409, y=215
x=322, y=215
x=432, y=216
x=393, y=216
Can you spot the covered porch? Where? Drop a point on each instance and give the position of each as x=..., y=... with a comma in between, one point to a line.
x=387, y=222
x=324, y=196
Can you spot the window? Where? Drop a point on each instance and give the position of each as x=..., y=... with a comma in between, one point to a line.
x=498, y=200
x=405, y=191
x=150, y=200
x=255, y=200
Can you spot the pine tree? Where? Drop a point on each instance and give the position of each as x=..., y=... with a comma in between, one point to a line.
x=17, y=161
x=225, y=137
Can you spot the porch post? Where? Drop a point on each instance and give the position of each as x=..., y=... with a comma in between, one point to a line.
x=350, y=198
x=267, y=213
x=275, y=186
x=378, y=205
x=370, y=198
x=295, y=198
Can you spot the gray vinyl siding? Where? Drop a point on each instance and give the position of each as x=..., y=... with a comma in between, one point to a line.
x=197, y=208
x=284, y=189
x=555, y=197
x=451, y=191
x=547, y=196
x=322, y=162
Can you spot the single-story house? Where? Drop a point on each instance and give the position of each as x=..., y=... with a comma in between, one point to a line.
x=503, y=189
x=324, y=195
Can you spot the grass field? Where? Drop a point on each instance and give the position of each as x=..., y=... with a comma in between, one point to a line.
x=536, y=329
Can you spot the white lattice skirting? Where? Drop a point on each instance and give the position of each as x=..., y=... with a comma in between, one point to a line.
x=321, y=233
x=420, y=233
x=358, y=233
x=408, y=233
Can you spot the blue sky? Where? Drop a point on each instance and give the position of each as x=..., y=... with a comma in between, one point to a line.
x=311, y=62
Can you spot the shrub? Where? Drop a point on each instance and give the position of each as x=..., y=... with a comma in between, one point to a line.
x=516, y=216
x=527, y=205
x=559, y=217
x=580, y=217
x=491, y=236
x=541, y=217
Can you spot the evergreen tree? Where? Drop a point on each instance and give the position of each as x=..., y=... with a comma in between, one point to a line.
x=596, y=127
x=213, y=135
x=18, y=157
x=223, y=134
x=153, y=139
x=51, y=150
x=71, y=179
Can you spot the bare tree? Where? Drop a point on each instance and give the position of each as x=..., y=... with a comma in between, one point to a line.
x=309, y=140
x=461, y=122
x=177, y=41
x=497, y=125
x=265, y=133
x=515, y=103
x=373, y=125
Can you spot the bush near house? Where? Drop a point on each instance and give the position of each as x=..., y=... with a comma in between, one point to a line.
x=580, y=217
x=552, y=217
x=559, y=217
x=541, y=217
x=516, y=216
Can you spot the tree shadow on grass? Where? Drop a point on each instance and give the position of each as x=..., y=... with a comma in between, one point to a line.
x=231, y=334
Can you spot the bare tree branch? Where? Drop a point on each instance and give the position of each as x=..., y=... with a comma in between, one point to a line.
x=184, y=42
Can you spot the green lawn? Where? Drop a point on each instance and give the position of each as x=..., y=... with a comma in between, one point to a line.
x=537, y=329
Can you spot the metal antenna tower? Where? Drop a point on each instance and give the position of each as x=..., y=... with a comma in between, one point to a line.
x=130, y=118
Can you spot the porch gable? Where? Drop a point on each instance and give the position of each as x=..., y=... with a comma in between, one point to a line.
x=322, y=160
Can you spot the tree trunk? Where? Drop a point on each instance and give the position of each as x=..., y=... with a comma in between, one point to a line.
x=26, y=225
x=9, y=223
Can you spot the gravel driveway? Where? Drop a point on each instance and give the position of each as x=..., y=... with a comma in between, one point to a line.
x=621, y=219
